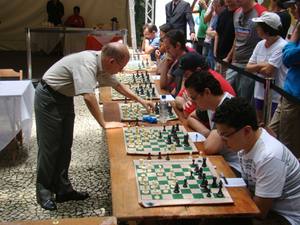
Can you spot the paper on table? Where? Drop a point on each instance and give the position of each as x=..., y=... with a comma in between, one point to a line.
x=234, y=182
x=168, y=98
x=155, y=77
x=196, y=137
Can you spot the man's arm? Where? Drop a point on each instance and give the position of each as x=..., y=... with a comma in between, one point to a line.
x=165, y=77
x=264, y=205
x=230, y=54
x=124, y=90
x=197, y=125
x=93, y=106
x=213, y=143
x=190, y=21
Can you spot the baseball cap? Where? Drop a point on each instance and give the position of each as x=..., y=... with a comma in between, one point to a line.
x=269, y=18
x=190, y=61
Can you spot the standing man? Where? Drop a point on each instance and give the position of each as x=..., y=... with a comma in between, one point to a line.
x=55, y=10
x=245, y=41
x=178, y=14
x=76, y=74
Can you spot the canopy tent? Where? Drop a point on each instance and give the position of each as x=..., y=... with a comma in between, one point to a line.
x=16, y=15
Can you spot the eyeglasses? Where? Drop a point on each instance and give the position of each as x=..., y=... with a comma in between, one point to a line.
x=227, y=136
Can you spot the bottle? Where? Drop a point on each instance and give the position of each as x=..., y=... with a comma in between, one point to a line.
x=163, y=109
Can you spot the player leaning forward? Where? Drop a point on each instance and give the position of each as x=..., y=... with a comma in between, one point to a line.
x=271, y=171
x=76, y=74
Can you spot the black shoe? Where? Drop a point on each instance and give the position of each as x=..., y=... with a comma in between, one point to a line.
x=48, y=204
x=73, y=195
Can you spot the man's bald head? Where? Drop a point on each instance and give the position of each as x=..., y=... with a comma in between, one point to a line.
x=116, y=50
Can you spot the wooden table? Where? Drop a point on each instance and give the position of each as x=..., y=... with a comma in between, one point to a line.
x=74, y=221
x=124, y=190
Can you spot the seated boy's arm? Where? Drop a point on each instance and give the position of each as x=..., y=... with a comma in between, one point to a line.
x=213, y=143
x=264, y=205
x=197, y=125
x=179, y=101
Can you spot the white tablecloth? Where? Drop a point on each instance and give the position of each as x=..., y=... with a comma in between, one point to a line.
x=16, y=107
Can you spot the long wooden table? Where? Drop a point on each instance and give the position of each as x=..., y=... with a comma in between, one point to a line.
x=124, y=189
x=74, y=221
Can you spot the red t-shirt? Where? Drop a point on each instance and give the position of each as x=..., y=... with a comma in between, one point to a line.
x=226, y=87
x=75, y=21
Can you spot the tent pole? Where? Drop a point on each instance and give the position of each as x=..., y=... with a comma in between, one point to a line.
x=132, y=24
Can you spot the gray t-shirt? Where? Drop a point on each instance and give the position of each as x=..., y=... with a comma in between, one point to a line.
x=246, y=36
x=79, y=73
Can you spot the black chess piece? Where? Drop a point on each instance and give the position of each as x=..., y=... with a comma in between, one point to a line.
x=220, y=193
x=150, y=85
x=191, y=176
x=204, y=162
x=186, y=140
x=193, y=162
x=164, y=128
x=148, y=93
x=134, y=80
x=200, y=173
x=178, y=142
x=169, y=140
x=159, y=155
x=168, y=156
x=176, y=189
x=208, y=193
x=149, y=156
x=203, y=182
x=153, y=92
x=220, y=184
x=214, y=183
x=125, y=100
x=196, y=169
x=142, y=91
x=185, y=183
x=177, y=127
x=159, y=135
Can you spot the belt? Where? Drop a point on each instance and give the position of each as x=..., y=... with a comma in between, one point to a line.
x=50, y=90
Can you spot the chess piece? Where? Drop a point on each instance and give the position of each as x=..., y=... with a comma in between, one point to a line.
x=125, y=101
x=170, y=112
x=149, y=156
x=169, y=140
x=191, y=176
x=177, y=127
x=164, y=128
x=176, y=189
x=186, y=140
x=208, y=193
x=153, y=92
x=214, y=183
x=159, y=135
x=203, y=182
x=136, y=121
x=196, y=169
x=200, y=173
x=156, y=108
x=168, y=156
x=148, y=93
x=193, y=162
x=220, y=193
x=204, y=162
x=159, y=155
x=178, y=142
x=185, y=183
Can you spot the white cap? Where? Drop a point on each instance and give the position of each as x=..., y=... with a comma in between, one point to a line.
x=269, y=18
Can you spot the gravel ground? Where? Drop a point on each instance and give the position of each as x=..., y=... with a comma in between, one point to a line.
x=89, y=171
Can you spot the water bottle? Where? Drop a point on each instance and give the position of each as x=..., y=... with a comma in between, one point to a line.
x=163, y=109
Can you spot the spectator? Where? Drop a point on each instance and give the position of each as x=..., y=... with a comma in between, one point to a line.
x=205, y=91
x=75, y=20
x=266, y=59
x=271, y=171
x=246, y=39
x=224, y=34
x=178, y=14
x=151, y=40
x=280, y=8
x=55, y=10
x=286, y=120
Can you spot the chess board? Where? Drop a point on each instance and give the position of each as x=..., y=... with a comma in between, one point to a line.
x=136, y=88
x=132, y=111
x=157, y=180
x=137, y=64
x=145, y=140
x=135, y=78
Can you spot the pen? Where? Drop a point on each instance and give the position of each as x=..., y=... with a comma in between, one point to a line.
x=224, y=178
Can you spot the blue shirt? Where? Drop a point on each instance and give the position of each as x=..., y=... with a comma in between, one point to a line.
x=291, y=59
x=155, y=44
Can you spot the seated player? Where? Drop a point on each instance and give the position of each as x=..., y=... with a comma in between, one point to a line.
x=271, y=171
x=75, y=20
x=189, y=63
x=151, y=40
x=205, y=91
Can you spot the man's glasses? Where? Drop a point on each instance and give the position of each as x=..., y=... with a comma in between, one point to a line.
x=227, y=136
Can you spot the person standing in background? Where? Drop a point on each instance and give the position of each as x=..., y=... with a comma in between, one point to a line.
x=75, y=20
x=178, y=14
x=55, y=10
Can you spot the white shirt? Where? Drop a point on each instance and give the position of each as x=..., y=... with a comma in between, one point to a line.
x=273, y=56
x=272, y=171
